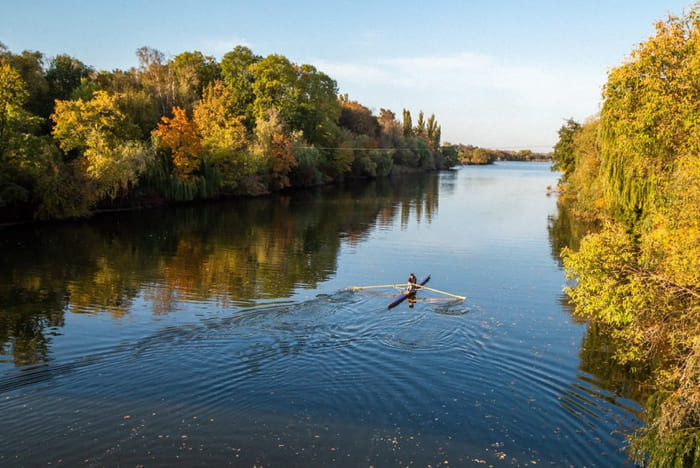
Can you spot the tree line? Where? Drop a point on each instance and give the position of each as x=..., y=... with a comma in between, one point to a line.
x=474, y=155
x=74, y=139
x=635, y=170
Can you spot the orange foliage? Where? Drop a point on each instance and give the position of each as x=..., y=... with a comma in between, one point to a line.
x=180, y=135
x=282, y=154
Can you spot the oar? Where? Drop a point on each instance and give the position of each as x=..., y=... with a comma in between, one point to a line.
x=441, y=292
x=380, y=286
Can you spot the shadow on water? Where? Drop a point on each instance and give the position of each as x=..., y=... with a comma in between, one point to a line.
x=236, y=252
x=566, y=230
x=597, y=348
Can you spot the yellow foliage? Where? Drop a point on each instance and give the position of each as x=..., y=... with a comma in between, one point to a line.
x=641, y=276
x=224, y=136
x=101, y=133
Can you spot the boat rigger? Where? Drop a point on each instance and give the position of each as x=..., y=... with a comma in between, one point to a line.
x=409, y=291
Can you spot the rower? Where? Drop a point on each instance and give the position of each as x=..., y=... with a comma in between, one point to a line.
x=412, y=283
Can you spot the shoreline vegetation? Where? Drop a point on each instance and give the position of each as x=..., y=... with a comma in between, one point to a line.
x=474, y=155
x=74, y=141
x=634, y=170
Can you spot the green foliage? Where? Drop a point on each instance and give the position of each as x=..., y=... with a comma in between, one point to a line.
x=407, y=124
x=307, y=173
x=640, y=276
x=64, y=75
x=563, y=157
x=273, y=87
x=237, y=74
x=585, y=183
x=161, y=178
x=246, y=125
x=64, y=191
x=474, y=155
x=425, y=155
x=304, y=97
x=318, y=108
x=383, y=161
x=450, y=155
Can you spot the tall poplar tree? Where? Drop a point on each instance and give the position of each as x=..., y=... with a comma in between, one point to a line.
x=407, y=123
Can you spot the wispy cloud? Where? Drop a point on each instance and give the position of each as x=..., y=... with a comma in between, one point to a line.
x=471, y=92
x=465, y=71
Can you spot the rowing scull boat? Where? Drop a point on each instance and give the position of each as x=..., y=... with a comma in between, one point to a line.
x=410, y=292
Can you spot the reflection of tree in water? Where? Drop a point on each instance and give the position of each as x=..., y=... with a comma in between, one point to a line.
x=597, y=347
x=24, y=316
x=234, y=252
x=565, y=230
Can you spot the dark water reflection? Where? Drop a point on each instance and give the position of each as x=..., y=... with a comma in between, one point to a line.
x=237, y=253
x=226, y=333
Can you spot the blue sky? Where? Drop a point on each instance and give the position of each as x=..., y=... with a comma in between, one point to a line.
x=500, y=74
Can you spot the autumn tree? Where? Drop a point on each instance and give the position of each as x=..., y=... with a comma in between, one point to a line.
x=153, y=73
x=191, y=73
x=181, y=137
x=30, y=67
x=651, y=114
x=15, y=126
x=638, y=276
x=358, y=118
x=224, y=135
x=407, y=123
x=274, y=148
x=419, y=129
x=104, y=139
x=432, y=133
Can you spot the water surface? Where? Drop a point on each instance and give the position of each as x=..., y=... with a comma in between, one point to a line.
x=229, y=333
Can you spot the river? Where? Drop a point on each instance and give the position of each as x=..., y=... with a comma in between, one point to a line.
x=230, y=333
